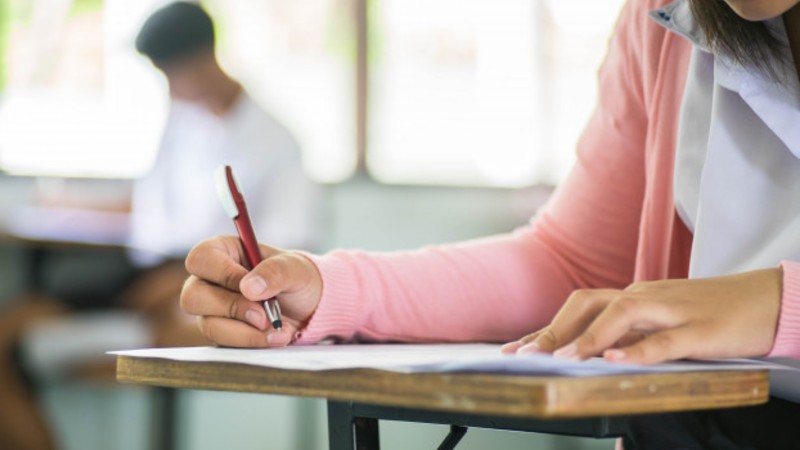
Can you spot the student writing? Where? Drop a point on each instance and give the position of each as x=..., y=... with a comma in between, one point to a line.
x=677, y=233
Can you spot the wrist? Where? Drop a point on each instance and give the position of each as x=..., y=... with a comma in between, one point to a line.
x=787, y=333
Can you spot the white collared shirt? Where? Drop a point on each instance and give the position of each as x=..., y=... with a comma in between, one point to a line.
x=737, y=167
x=176, y=205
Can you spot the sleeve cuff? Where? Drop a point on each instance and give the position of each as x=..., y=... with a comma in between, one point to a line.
x=340, y=308
x=787, y=336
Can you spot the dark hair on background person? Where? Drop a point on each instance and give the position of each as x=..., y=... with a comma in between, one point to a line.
x=747, y=42
x=174, y=32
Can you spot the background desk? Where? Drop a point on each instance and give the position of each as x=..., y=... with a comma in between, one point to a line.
x=357, y=399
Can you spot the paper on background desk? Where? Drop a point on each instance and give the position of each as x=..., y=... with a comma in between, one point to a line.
x=411, y=358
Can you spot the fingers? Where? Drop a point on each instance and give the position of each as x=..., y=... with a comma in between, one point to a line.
x=522, y=345
x=201, y=298
x=576, y=314
x=217, y=260
x=625, y=314
x=228, y=319
x=631, y=338
x=574, y=317
x=649, y=322
x=675, y=343
x=592, y=322
x=227, y=297
x=233, y=333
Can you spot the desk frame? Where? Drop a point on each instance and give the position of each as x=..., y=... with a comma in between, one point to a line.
x=355, y=425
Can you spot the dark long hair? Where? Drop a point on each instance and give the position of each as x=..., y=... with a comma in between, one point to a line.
x=749, y=43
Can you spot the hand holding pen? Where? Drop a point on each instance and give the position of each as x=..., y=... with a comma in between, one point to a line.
x=228, y=297
x=233, y=201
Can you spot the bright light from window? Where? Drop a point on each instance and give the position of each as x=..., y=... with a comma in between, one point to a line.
x=79, y=100
x=584, y=18
x=297, y=58
x=480, y=92
x=99, y=108
x=469, y=92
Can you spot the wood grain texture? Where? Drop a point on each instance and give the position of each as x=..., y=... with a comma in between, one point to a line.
x=488, y=394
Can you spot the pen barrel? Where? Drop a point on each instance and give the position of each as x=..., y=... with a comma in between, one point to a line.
x=247, y=237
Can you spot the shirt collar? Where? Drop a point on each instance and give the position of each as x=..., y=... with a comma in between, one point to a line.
x=777, y=104
x=678, y=18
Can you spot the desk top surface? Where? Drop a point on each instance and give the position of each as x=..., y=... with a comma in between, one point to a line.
x=489, y=394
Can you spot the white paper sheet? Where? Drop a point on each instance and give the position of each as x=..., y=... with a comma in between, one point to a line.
x=408, y=358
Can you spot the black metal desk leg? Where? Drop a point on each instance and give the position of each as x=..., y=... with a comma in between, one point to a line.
x=164, y=418
x=348, y=432
x=453, y=437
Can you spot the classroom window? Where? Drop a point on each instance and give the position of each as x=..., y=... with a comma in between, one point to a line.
x=297, y=57
x=479, y=92
x=447, y=92
x=74, y=89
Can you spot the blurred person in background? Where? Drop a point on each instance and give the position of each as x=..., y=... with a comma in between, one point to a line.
x=212, y=121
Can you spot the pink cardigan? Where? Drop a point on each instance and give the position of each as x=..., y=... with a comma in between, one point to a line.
x=611, y=222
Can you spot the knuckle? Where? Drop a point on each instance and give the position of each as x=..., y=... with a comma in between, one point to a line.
x=254, y=340
x=579, y=295
x=588, y=340
x=205, y=328
x=230, y=276
x=662, y=341
x=624, y=305
x=583, y=300
x=638, y=286
x=529, y=338
x=275, y=270
x=549, y=337
x=193, y=259
x=197, y=255
x=233, y=309
x=186, y=301
x=644, y=286
x=187, y=296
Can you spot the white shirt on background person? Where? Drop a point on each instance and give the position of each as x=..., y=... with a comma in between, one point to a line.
x=175, y=205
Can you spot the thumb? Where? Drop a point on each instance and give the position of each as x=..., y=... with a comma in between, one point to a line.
x=275, y=275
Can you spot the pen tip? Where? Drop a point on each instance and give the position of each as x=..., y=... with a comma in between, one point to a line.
x=277, y=324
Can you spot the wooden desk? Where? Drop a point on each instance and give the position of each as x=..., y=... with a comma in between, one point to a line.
x=42, y=231
x=357, y=399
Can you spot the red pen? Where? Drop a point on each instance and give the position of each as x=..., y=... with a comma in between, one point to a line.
x=233, y=201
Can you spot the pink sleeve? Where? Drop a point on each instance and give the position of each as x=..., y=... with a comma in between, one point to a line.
x=787, y=337
x=500, y=288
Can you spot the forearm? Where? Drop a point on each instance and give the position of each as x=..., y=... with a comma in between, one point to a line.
x=488, y=290
x=500, y=288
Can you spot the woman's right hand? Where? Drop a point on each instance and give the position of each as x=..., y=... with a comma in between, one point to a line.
x=228, y=299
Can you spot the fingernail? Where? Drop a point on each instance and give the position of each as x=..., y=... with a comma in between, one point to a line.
x=254, y=285
x=254, y=319
x=277, y=338
x=566, y=352
x=530, y=347
x=510, y=347
x=614, y=354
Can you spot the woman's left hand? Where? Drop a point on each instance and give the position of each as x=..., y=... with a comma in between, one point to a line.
x=650, y=322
